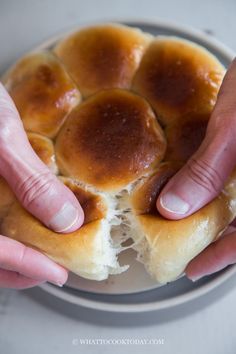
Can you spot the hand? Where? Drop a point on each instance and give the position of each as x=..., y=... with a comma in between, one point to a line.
x=203, y=177
x=41, y=193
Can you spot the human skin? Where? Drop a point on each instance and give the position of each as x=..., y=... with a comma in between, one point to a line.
x=41, y=193
x=202, y=179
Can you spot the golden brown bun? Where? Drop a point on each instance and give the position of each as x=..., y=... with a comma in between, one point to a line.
x=185, y=136
x=44, y=148
x=178, y=77
x=112, y=149
x=42, y=91
x=102, y=57
x=110, y=140
x=79, y=251
x=167, y=246
x=86, y=252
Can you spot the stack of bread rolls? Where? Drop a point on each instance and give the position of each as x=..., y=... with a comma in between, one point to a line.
x=115, y=112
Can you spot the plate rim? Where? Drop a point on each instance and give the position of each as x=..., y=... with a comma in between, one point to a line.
x=165, y=24
x=64, y=294
x=104, y=306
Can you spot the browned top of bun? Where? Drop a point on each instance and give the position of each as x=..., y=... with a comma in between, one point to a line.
x=42, y=91
x=102, y=57
x=178, y=77
x=110, y=140
x=185, y=136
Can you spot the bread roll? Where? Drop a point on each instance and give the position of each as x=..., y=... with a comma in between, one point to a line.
x=42, y=91
x=178, y=77
x=44, y=148
x=167, y=246
x=110, y=140
x=88, y=252
x=102, y=57
x=149, y=103
x=185, y=136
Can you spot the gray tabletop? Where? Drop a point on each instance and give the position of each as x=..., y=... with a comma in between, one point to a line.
x=33, y=322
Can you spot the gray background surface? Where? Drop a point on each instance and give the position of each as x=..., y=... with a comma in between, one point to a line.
x=31, y=322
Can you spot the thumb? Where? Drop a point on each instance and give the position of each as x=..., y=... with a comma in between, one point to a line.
x=203, y=176
x=38, y=190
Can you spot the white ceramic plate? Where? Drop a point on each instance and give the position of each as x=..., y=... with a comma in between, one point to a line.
x=134, y=290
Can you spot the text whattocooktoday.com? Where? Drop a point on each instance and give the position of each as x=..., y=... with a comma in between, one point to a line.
x=118, y=341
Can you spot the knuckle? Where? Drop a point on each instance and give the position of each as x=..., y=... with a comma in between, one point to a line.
x=34, y=187
x=204, y=175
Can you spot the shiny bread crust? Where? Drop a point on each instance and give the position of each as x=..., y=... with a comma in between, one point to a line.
x=119, y=112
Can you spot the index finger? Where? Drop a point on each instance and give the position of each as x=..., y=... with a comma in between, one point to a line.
x=15, y=256
x=215, y=257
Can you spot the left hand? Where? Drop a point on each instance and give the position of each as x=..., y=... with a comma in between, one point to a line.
x=41, y=193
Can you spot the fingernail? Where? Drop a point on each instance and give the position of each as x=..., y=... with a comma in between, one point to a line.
x=195, y=278
x=57, y=284
x=174, y=204
x=65, y=219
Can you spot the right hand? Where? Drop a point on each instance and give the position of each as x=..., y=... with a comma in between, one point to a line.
x=41, y=193
x=203, y=177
